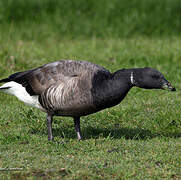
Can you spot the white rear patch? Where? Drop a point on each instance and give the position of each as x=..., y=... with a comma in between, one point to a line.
x=20, y=92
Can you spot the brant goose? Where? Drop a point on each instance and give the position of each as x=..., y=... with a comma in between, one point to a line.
x=78, y=88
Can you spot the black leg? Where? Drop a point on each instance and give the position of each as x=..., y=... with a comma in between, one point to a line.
x=77, y=127
x=49, y=126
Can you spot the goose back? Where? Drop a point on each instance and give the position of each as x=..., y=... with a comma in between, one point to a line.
x=37, y=80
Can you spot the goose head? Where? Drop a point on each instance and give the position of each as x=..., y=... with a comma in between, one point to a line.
x=150, y=78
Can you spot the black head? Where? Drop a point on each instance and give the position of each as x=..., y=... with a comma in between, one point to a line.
x=150, y=78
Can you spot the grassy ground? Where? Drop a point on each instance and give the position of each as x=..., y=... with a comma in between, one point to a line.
x=138, y=139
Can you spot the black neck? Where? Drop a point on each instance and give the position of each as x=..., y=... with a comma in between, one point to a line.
x=110, y=90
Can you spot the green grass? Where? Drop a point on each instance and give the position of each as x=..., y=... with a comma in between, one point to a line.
x=138, y=139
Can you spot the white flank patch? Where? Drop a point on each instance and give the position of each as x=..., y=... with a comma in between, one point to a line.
x=20, y=92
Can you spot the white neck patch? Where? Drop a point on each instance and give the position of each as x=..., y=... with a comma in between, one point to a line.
x=132, y=79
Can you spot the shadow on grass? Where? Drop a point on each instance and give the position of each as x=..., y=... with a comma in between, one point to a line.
x=114, y=133
x=127, y=133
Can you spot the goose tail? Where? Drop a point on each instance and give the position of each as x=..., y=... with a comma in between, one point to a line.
x=4, y=80
x=3, y=87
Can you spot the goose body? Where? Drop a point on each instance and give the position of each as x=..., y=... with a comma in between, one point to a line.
x=78, y=88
